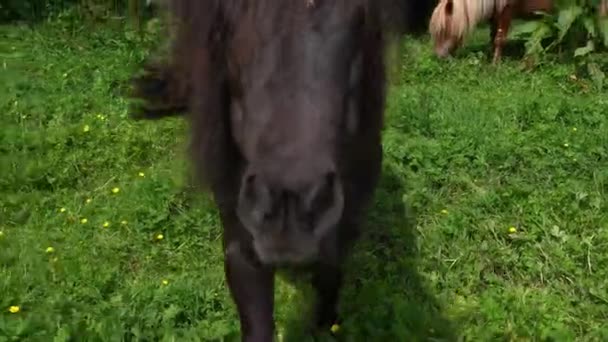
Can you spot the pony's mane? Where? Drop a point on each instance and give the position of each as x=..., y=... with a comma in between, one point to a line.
x=465, y=16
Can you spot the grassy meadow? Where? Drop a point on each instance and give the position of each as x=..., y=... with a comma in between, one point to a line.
x=490, y=223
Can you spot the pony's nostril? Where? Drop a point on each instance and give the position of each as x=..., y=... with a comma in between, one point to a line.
x=249, y=179
x=251, y=187
x=255, y=200
x=330, y=178
x=321, y=193
x=324, y=202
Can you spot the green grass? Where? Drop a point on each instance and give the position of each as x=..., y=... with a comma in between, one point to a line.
x=496, y=147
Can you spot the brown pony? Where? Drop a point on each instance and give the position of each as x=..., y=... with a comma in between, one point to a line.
x=285, y=101
x=453, y=20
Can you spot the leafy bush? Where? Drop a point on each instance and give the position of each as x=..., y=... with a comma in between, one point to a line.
x=575, y=26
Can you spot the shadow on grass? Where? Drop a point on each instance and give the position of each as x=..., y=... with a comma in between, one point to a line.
x=384, y=298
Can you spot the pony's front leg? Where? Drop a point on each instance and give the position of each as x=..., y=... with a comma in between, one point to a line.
x=326, y=281
x=493, y=28
x=328, y=274
x=503, y=22
x=252, y=288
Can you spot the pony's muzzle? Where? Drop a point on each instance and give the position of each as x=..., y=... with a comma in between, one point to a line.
x=443, y=50
x=275, y=205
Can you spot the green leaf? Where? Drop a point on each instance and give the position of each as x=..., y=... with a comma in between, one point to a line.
x=597, y=75
x=566, y=18
x=525, y=28
x=545, y=15
x=585, y=49
x=603, y=28
x=590, y=26
x=533, y=45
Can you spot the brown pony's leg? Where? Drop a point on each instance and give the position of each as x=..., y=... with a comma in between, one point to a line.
x=494, y=28
x=503, y=22
x=603, y=10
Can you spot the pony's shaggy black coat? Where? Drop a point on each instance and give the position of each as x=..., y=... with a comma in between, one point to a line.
x=204, y=74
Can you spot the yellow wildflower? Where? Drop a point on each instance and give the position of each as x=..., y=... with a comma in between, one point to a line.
x=116, y=190
x=1, y=233
x=106, y=224
x=165, y=282
x=50, y=249
x=86, y=128
x=88, y=200
x=335, y=328
x=14, y=309
x=84, y=220
x=512, y=230
x=444, y=211
x=566, y=145
x=141, y=174
x=62, y=210
x=160, y=237
x=123, y=222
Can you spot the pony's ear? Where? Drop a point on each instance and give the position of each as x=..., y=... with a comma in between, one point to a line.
x=449, y=7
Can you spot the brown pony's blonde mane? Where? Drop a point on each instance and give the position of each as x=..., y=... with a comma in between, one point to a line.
x=463, y=17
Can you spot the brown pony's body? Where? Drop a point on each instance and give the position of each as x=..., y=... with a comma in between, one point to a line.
x=285, y=101
x=452, y=20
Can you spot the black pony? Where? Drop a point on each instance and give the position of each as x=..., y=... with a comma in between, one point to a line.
x=285, y=100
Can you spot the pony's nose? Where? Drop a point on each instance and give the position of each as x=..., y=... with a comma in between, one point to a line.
x=442, y=51
x=316, y=204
